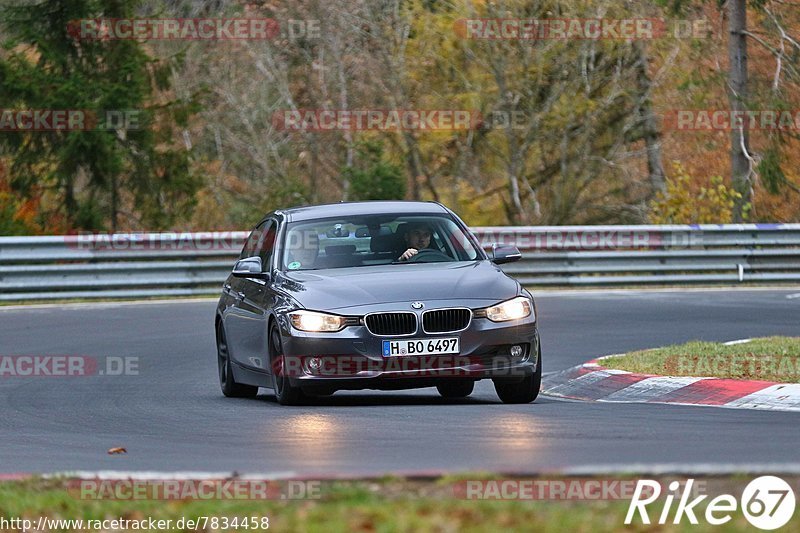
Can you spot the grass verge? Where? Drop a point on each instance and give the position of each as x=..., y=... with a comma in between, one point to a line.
x=765, y=359
x=391, y=504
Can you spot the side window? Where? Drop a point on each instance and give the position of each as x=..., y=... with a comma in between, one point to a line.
x=251, y=245
x=266, y=244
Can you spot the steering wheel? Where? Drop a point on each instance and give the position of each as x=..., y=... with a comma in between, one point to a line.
x=430, y=256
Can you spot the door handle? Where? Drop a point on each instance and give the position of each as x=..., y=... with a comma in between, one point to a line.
x=236, y=294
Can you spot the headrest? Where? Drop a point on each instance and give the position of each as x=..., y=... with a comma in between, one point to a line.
x=340, y=249
x=385, y=243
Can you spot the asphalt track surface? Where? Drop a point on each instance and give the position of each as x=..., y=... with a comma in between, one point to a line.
x=172, y=416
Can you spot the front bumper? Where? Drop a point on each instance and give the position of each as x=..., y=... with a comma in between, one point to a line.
x=352, y=358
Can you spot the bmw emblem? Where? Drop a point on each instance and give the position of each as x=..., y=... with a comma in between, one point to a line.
x=417, y=305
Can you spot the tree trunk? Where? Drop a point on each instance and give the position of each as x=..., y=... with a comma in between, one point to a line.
x=348, y=135
x=737, y=94
x=513, y=168
x=516, y=203
x=70, y=204
x=114, y=203
x=650, y=131
x=416, y=167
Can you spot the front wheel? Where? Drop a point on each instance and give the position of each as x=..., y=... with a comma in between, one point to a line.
x=285, y=393
x=227, y=383
x=524, y=391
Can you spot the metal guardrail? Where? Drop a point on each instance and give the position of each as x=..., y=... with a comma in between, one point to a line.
x=178, y=264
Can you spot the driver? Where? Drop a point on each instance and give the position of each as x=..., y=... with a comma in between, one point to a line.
x=417, y=237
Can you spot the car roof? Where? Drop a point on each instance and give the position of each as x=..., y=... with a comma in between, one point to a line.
x=376, y=207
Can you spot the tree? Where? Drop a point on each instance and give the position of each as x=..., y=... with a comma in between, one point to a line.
x=759, y=157
x=584, y=107
x=374, y=178
x=97, y=175
x=682, y=203
x=741, y=161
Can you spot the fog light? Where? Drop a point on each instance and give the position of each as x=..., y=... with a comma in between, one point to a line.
x=516, y=350
x=313, y=364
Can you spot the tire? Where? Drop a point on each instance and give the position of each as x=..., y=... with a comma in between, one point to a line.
x=460, y=388
x=227, y=383
x=524, y=391
x=285, y=393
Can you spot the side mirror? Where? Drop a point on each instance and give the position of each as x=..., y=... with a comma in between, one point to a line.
x=505, y=254
x=249, y=267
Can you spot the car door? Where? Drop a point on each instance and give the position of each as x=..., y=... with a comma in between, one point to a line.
x=245, y=322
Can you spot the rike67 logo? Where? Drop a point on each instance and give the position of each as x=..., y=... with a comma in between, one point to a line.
x=767, y=502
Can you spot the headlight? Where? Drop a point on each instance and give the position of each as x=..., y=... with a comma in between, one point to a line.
x=513, y=309
x=315, y=322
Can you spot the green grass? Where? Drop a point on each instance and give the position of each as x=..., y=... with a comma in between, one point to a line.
x=384, y=505
x=765, y=359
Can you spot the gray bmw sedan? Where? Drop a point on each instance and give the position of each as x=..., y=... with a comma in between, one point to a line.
x=374, y=295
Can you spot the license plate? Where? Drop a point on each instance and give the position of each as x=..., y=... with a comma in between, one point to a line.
x=438, y=346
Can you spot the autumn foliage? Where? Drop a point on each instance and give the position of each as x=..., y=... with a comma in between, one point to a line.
x=571, y=131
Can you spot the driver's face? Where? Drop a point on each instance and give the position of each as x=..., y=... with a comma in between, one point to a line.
x=418, y=238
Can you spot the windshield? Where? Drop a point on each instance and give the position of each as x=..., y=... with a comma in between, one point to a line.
x=375, y=240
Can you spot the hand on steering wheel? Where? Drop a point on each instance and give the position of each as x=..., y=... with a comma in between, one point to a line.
x=428, y=255
x=408, y=254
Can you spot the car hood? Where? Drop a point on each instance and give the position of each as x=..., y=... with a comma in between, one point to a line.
x=372, y=285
